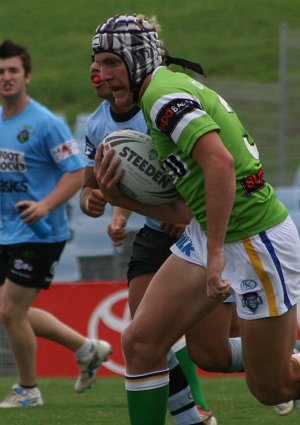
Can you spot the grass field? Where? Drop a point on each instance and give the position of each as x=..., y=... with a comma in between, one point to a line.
x=105, y=404
x=234, y=40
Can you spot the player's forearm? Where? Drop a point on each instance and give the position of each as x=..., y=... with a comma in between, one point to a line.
x=84, y=194
x=67, y=186
x=217, y=165
x=119, y=212
x=219, y=204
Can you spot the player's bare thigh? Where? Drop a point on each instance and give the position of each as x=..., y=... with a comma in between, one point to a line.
x=175, y=300
x=268, y=346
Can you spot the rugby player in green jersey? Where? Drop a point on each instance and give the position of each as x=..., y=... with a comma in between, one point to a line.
x=240, y=238
x=186, y=403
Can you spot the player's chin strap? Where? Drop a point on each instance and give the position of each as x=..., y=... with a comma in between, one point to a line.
x=196, y=67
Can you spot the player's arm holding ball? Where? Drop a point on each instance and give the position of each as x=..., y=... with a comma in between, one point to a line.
x=107, y=179
x=92, y=201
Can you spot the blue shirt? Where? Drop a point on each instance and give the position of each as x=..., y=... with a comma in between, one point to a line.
x=100, y=124
x=36, y=150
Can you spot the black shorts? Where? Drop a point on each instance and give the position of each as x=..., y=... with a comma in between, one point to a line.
x=30, y=264
x=150, y=249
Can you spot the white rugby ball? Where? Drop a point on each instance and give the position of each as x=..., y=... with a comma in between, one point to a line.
x=144, y=178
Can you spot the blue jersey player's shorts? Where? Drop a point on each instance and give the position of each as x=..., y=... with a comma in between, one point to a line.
x=30, y=265
x=150, y=249
x=263, y=270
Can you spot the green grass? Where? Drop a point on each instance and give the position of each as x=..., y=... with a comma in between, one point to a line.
x=105, y=404
x=234, y=40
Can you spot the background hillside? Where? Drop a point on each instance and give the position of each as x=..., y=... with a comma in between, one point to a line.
x=234, y=40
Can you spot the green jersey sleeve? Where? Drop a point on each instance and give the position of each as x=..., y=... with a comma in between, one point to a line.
x=179, y=110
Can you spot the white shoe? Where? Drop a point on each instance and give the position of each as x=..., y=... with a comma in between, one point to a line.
x=207, y=418
x=89, y=367
x=23, y=397
x=284, y=409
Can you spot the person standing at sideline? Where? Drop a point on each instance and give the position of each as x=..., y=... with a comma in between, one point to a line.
x=184, y=380
x=240, y=238
x=41, y=169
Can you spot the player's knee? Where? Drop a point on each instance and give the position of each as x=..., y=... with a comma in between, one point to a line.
x=267, y=394
x=209, y=359
x=6, y=314
x=136, y=347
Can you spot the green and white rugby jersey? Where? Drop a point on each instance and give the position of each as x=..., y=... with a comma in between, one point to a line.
x=178, y=111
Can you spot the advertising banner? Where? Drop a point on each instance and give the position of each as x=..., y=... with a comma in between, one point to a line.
x=95, y=309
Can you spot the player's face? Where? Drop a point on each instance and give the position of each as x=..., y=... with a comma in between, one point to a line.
x=114, y=73
x=13, y=80
x=101, y=88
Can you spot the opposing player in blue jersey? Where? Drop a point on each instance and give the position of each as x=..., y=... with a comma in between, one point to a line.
x=107, y=118
x=40, y=169
x=240, y=237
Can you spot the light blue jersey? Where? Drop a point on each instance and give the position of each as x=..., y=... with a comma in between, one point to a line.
x=36, y=149
x=101, y=123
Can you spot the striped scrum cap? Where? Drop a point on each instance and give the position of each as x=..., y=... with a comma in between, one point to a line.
x=133, y=39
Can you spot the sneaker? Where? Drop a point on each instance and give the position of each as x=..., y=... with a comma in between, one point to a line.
x=284, y=409
x=89, y=366
x=207, y=417
x=23, y=397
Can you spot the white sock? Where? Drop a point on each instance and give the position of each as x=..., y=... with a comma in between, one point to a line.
x=237, y=363
x=85, y=350
x=296, y=356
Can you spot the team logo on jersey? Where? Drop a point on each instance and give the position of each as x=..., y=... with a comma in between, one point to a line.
x=24, y=134
x=251, y=300
x=90, y=150
x=174, y=167
x=65, y=150
x=174, y=111
x=253, y=183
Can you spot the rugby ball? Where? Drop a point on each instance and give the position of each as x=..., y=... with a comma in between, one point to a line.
x=144, y=178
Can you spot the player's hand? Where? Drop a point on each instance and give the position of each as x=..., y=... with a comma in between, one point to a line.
x=173, y=230
x=31, y=211
x=217, y=287
x=116, y=230
x=106, y=175
x=95, y=203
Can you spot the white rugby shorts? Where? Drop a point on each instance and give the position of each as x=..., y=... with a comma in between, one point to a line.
x=263, y=270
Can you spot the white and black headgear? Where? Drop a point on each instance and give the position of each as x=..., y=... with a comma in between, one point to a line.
x=135, y=40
